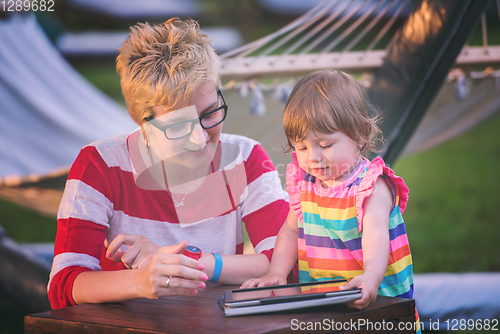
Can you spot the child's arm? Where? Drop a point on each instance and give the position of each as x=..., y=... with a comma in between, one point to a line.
x=284, y=255
x=375, y=244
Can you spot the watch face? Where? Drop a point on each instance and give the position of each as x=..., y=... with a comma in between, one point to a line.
x=192, y=252
x=193, y=249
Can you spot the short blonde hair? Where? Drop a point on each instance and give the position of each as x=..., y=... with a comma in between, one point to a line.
x=164, y=63
x=326, y=101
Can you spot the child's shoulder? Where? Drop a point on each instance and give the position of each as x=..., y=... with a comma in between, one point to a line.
x=375, y=168
x=293, y=170
x=378, y=169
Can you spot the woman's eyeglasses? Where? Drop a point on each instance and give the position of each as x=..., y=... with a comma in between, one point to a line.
x=185, y=128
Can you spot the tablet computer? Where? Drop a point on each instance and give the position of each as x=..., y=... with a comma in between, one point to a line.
x=287, y=297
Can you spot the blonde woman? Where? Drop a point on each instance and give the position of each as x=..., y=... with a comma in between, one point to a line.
x=133, y=203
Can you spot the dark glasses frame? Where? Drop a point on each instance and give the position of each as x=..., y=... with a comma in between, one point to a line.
x=193, y=122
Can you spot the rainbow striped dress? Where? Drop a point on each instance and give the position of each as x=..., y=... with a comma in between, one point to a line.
x=330, y=226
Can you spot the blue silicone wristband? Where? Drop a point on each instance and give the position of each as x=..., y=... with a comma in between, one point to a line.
x=217, y=268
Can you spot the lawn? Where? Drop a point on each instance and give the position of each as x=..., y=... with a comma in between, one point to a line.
x=451, y=218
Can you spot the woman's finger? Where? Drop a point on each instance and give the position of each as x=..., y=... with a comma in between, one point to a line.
x=120, y=240
x=175, y=282
x=144, y=262
x=117, y=256
x=182, y=271
x=174, y=249
x=178, y=286
x=179, y=259
x=129, y=257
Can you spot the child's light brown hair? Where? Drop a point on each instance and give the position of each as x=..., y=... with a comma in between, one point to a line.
x=326, y=101
x=160, y=64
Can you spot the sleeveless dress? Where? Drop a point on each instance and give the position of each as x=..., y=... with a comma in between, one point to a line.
x=330, y=226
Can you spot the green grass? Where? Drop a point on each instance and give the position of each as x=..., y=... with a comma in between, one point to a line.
x=103, y=76
x=25, y=225
x=452, y=217
x=11, y=319
x=22, y=225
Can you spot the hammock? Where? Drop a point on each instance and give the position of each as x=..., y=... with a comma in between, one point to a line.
x=357, y=36
x=48, y=111
x=324, y=37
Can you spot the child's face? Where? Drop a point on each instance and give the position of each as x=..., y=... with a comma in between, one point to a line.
x=328, y=157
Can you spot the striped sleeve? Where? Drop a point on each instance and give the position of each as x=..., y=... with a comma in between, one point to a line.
x=85, y=210
x=265, y=207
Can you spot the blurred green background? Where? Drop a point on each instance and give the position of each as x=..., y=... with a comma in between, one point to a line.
x=451, y=217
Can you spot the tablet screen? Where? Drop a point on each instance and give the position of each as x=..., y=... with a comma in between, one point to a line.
x=287, y=292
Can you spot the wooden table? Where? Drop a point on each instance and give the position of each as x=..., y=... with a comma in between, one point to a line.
x=202, y=314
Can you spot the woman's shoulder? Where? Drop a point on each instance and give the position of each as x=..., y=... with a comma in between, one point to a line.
x=237, y=139
x=113, y=150
x=115, y=141
x=244, y=144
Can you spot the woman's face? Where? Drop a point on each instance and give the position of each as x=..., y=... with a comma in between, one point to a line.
x=197, y=149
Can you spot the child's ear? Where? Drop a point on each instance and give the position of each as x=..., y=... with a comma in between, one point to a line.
x=359, y=142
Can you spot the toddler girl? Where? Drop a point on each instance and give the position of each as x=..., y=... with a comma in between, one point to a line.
x=346, y=211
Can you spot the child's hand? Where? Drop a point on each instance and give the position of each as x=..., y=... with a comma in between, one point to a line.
x=137, y=256
x=369, y=288
x=267, y=280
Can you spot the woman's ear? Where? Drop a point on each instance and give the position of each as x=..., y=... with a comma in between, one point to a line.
x=145, y=136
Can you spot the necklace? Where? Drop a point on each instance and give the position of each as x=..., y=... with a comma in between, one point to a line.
x=177, y=204
x=181, y=203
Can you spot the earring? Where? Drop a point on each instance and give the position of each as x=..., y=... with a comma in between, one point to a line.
x=146, y=142
x=360, y=147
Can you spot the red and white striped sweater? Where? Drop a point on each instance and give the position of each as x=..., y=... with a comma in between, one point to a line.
x=102, y=200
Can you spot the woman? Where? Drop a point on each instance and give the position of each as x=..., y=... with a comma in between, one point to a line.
x=176, y=181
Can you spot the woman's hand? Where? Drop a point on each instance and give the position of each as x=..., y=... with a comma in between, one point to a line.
x=167, y=273
x=272, y=278
x=369, y=287
x=171, y=273
x=137, y=256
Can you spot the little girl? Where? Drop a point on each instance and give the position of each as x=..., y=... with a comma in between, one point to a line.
x=346, y=211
